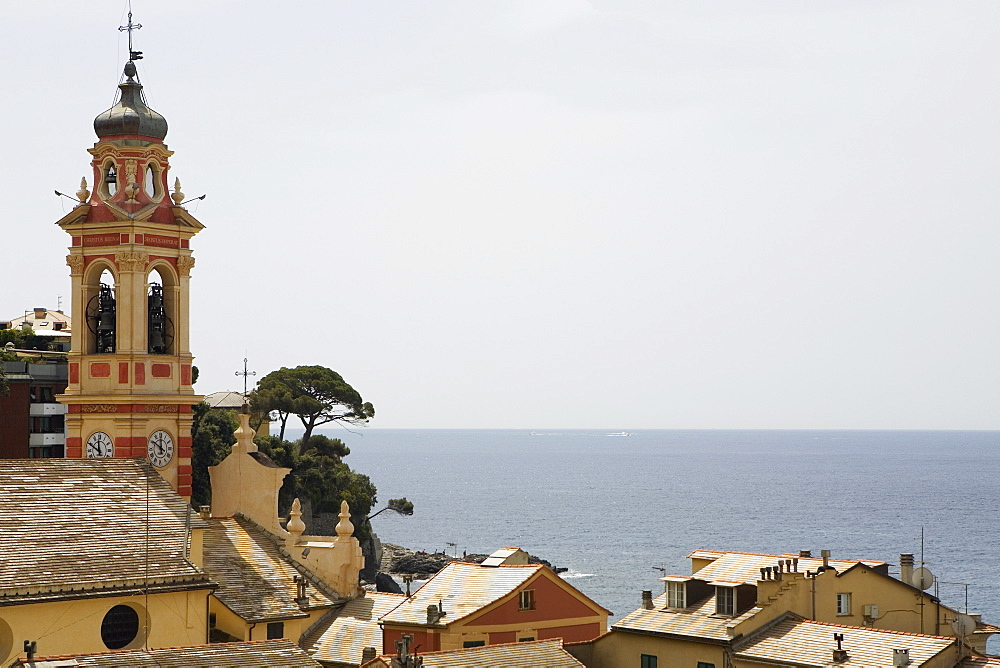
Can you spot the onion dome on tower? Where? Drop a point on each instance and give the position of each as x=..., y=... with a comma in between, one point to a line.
x=130, y=116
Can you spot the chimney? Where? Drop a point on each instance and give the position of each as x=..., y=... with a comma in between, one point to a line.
x=805, y=554
x=647, y=599
x=826, y=561
x=900, y=657
x=839, y=654
x=367, y=654
x=205, y=512
x=433, y=616
x=39, y=313
x=906, y=568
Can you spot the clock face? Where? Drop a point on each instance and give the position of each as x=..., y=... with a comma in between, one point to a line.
x=160, y=448
x=99, y=445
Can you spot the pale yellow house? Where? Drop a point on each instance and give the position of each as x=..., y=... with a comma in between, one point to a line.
x=97, y=554
x=729, y=596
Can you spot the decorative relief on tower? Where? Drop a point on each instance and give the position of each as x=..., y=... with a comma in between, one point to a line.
x=75, y=263
x=131, y=187
x=98, y=408
x=159, y=408
x=132, y=260
x=184, y=265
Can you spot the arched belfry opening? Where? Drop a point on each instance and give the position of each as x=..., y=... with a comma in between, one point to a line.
x=161, y=312
x=102, y=311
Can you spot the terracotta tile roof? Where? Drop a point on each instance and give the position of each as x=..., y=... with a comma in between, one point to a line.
x=533, y=654
x=795, y=641
x=255, y=654
x=698, y=621
x=256, y=581
x=745, y=566
x=70, y=524
x=463, y=589
x=344, y=632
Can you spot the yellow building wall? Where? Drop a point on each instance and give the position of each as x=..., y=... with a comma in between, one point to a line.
x=900, y=608
x=63, y=627
x=229, y=622
x=618, y=649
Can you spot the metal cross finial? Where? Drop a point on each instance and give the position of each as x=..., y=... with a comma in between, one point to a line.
x=132, y=55
x=245, y=375
x=839, y=637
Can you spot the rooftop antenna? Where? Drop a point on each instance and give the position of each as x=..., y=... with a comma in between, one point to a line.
x=132, y=55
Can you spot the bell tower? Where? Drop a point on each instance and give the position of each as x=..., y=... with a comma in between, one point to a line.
x=130, y=385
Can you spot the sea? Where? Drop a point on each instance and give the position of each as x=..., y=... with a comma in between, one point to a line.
x=620, y=508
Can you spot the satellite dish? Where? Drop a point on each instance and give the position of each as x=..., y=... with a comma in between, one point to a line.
x=922, y=578
x=963, y=625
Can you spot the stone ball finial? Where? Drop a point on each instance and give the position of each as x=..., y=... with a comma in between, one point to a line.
x=344, y=527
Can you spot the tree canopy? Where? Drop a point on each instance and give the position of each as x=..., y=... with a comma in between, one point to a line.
x=315, y=394
x=211, y=440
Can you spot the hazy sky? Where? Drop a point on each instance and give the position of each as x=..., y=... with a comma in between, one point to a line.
x=555, y=213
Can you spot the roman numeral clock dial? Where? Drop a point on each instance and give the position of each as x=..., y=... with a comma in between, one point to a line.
x=160, y=448
x=99, y=445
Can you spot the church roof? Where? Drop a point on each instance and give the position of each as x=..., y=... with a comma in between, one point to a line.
x=130, y=116
x=74, y=528
x=255, y=654
x=256, y=580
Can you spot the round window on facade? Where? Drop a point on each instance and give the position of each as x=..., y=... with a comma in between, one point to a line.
x=6, y=641
x=120, y=627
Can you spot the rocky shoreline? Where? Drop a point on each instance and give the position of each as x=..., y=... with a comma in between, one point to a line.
x=398, y=560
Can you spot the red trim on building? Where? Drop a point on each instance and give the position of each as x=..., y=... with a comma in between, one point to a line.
x=100, y=370
x=140, y=373
x=139, y=238
x=185, y=374
x=161, y=241
x=160, y=370
x=123, y=373
x=501, y=637
x=111, y=239
x=184, y=453
x=124, y=238
x=184, y=491
x=74, y=372
x=74, y=452
x=77, y=241
x=184, y=469
x=185, y=243
x=87, y=259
